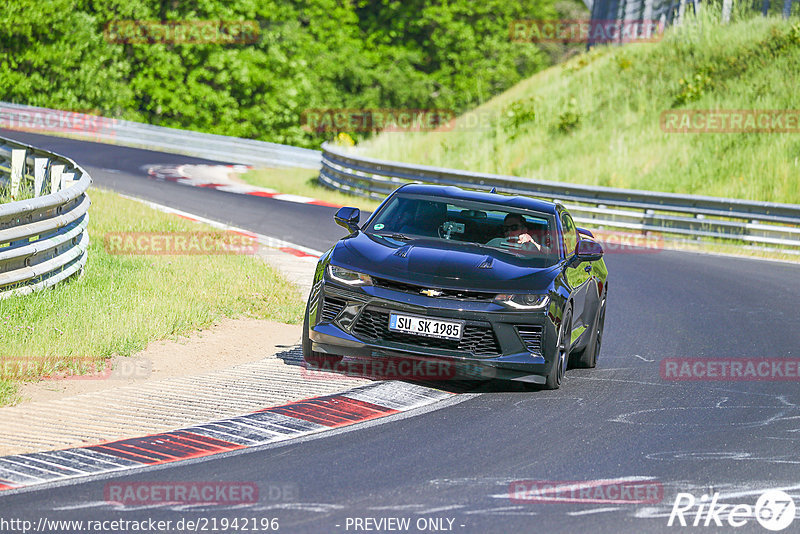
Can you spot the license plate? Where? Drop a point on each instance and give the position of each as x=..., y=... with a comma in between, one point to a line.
x=425, y=326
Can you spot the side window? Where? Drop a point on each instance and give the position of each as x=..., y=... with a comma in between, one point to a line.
x=570, y=235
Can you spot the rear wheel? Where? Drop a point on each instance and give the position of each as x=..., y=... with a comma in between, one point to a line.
x=313, y=358
x=559, y=367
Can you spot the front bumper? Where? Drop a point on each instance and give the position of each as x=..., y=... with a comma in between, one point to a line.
x=496, y=343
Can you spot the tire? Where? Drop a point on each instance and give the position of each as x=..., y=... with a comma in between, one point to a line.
x=313, y=358
x=557, y=371
x=588, y=358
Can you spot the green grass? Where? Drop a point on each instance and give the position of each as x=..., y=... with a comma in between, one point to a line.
x=122, y=302
x=595, y=119
x=297, y=181
x=25, y=191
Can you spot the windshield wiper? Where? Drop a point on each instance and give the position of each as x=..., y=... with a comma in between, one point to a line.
x=402, y=237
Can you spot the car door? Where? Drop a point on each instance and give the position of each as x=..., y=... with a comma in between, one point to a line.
x=578, y=277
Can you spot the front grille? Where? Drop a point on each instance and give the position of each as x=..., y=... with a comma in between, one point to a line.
x=479, y=340
x=331, y=307
x=459, y=294
x=532, y=337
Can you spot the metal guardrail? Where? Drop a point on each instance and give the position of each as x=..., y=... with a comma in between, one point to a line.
x=139, y=135
x=763, y=224
x=43, y=239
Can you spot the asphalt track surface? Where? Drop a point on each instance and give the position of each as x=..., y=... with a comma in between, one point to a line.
x=121, y=169
x=456, y=462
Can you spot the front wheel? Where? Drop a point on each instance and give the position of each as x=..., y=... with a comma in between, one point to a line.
x=559, y=367
x=588, y=357
x=315, y=359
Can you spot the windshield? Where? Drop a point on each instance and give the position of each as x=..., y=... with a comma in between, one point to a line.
x=498, y=229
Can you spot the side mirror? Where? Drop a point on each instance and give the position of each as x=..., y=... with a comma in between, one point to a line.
x=584, y=231
x=348, y=218
x=588, y=250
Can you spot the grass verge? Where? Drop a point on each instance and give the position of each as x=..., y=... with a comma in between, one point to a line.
x=123, y=302
x=596, y=118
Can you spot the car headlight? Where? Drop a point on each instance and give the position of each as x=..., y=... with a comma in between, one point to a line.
x=523, y=302
x=346, y=276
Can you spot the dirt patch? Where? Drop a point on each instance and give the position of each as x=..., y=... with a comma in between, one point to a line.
x=227, y=343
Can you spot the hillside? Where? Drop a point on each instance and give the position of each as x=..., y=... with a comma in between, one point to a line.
x=596, y=119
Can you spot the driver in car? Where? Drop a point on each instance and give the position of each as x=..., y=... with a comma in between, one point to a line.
x=516, y=234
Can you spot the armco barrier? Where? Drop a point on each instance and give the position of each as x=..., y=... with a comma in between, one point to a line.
x=762, y=224
x=136, y=134
x=43, y=238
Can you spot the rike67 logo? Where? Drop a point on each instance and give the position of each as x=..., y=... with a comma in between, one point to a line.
x=774, y=510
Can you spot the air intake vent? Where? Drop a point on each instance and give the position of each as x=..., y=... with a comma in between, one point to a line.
x=313, y=298
x=331, y=308
x=403, y=251
x=532, y=337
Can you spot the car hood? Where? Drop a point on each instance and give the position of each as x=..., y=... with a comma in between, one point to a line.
x=440, y=263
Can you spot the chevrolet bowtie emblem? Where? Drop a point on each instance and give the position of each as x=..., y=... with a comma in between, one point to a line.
x=431, y=292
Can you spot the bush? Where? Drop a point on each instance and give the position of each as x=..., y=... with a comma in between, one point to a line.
x=570, y=118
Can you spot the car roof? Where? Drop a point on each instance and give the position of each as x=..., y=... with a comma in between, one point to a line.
x=457, y=193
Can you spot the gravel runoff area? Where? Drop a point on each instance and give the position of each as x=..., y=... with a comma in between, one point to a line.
x=235, y=367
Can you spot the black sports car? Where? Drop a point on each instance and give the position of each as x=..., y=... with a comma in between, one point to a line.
x=505, y=285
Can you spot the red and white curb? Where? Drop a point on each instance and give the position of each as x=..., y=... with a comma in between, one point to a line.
x=265, y=240
x=262, y=427
x=186, y=175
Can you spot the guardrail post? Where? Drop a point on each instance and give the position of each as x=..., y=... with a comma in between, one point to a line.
x=55, y=177
x=647, y=10
x=699, y=217
x=66, y=179
x=39, y=170
x=648, y=215
x=17, y=170
x=727, y=5
x=681, y=12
